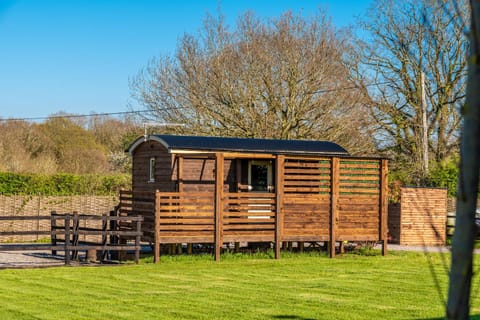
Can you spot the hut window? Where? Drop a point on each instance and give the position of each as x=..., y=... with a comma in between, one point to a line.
x=260, y=176
x=152, y=170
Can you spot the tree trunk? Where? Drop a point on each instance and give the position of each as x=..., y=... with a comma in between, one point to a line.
x=458, y=306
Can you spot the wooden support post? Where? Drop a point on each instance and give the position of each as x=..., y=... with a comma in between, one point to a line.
x=53, y=231
x=237, y=247
x=156, y=227
x=238, y=172
x=189, y=248
x=384, y=205
x=334, y=194
x=219, y=178
x=301, y=246
x=279, y=191
x=179, y=249
x=179, y=173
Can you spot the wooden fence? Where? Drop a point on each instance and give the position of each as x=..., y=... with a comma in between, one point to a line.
x=420, y=218
x=66, y=234
x=332, y=200
x=38, y=205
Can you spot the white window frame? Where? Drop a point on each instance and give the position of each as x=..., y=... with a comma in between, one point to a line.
x=151, y=172
x=269, y=165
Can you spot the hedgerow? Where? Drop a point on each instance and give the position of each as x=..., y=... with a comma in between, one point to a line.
x=62, y=184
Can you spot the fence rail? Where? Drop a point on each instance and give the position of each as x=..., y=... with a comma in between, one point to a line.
x=67, y=234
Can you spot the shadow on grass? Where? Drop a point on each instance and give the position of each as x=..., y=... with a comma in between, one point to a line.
x=294, y=317
x=472, y=317
x=291, y=317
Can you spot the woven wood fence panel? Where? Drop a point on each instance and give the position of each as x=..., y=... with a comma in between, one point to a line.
x=43, y=206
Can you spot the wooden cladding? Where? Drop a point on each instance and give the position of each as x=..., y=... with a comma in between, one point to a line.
x=307, y=176
x=420, y=218
x=313, y=176
x=314, y=199
x=248, y=217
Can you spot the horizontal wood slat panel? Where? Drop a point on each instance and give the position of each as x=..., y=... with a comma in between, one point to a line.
x=247, y=220
x=228, y=237
x=296, y=183
x=306, y=164
x=183, y=227
x=187, y=220
x=306, y=190
x=358, y=165
x=317, y=176
x=179, y=238
x=306, y=238
x=304, y=208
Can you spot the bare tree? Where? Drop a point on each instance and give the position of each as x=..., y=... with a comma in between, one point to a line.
x=115, y=135
x=283, y=78
x=461, y=273
x=406, y=39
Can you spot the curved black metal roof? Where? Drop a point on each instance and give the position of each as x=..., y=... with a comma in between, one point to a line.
x=271, y=146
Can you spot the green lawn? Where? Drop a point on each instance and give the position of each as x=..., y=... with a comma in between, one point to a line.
x=299, y=286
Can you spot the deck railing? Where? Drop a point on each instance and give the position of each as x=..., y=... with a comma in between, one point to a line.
x=326, y=199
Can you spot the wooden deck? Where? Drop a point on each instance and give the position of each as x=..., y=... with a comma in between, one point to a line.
x=315, y=199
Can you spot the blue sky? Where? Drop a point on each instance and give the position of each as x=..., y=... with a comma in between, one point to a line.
x=77, y=56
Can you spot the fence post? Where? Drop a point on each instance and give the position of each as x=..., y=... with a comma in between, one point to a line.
x=137, y=239
x=104, y=236
x=38, y=215
x=156, y=228
x=219, y=177
x=384, y=205
x=67, y=239
x=75, y=237
x=334, y=194
x=279, y=191
x=53, y=231
x=114, y=227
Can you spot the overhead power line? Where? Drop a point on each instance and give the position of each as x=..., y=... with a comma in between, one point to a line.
x=69, y=116
x=351, y=87
x=78, y=115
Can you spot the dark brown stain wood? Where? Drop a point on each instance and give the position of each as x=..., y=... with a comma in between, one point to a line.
x=69, y=229
x=279, y=193
x=334, y=196
x=205, y=198
x=219, y=179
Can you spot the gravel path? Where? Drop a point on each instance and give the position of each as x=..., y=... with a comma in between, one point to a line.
x=29, y=259
x=432, y=249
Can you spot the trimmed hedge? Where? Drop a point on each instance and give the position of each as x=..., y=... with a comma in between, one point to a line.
x=62, y=184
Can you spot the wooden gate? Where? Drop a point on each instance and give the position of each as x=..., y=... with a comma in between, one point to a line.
x=69, y=233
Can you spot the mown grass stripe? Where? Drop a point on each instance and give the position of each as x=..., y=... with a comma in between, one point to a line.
x=298, y=286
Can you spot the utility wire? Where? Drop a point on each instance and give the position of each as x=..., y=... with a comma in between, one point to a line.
x=70, y=116
x=77, y=115
x=351, y=87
